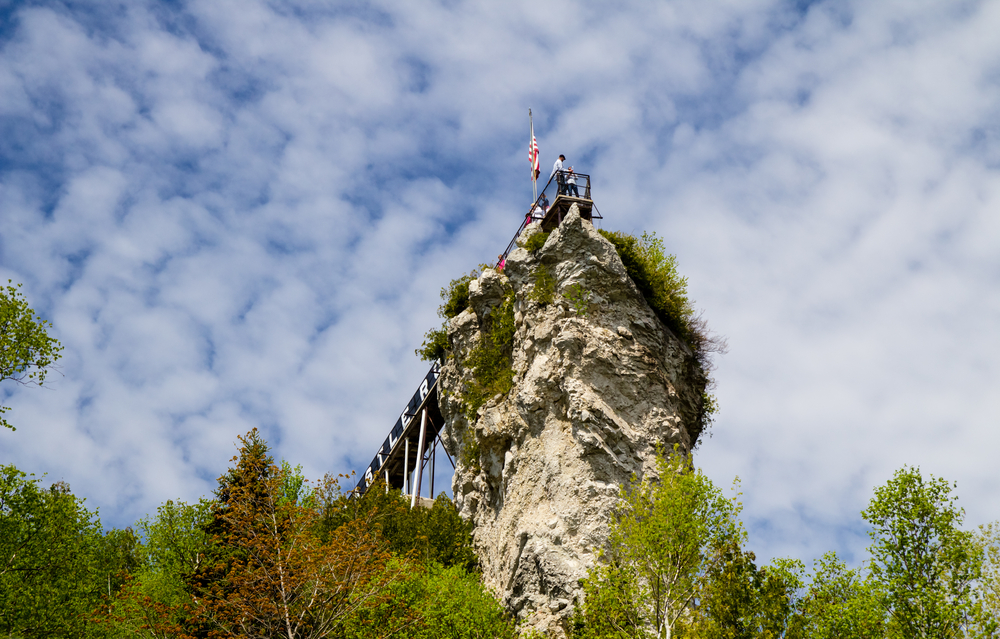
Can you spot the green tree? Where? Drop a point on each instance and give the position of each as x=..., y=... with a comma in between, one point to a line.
x=436, y=535
x=154, y=600
x=840, y=603
x=670, y=533
x=927, y=566
x=269, y=574
x=27, y=352
x=988, y=540
x=51, y=550
x=738, y=600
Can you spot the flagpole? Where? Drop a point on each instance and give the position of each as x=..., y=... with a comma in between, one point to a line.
x=534, y=178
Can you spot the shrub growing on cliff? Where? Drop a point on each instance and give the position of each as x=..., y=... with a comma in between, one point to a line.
x=456, y=296
x=456, y=300
x=534, y=242
x=656, y=276
x=490, y=359
x=435, y=347
x=544, y=289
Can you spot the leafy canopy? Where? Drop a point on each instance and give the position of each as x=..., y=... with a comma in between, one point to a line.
x=54, y=562
x=669, y=533
x=928, y=567
x=27, y=352
x=840, y=603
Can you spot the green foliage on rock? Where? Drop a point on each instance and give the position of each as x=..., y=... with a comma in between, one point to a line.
x=490, y=359
x=656, y=275
x=470, y=454
x=27, y=352
x=456, y=299
x=435, y=347
x=534, y=241
x=456, y=296
x=579, y=298
x=543, y=290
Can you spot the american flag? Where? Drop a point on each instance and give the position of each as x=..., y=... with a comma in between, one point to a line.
x=533, y=157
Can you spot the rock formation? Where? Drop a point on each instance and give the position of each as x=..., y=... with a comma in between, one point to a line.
x=599, y=381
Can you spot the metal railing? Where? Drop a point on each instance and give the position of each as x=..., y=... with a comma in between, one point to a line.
x=582, y=179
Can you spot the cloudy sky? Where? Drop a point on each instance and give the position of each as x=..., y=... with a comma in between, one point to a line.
x=240, y=213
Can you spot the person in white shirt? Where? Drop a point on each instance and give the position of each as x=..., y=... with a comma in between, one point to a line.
x=557, y=170
x=571, y=182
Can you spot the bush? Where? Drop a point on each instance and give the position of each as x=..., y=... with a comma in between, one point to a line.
x=534, y=242
x=490, y=359
x=435, y=346
x=431, y=535
x=456, y=296
x=544, y=290
x=656, y=276
x=456, y=299
x=443, y=602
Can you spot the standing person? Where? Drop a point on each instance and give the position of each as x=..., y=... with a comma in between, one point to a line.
x=537, y=212
x=571, y=182
x=557, y=170
x=544, y=202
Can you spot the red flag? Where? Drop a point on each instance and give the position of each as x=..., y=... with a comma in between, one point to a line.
x=533, y=157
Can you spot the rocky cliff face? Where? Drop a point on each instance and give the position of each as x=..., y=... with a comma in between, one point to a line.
x=598, y=382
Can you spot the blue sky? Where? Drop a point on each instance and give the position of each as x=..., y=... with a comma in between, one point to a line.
x=239, y=214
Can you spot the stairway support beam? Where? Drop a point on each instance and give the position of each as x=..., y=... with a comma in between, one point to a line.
x=406, y=467
x=420, y=457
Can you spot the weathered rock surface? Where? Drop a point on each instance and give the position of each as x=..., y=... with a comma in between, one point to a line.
x=539, y=470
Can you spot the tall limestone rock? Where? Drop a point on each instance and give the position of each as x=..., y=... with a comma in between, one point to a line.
x=598, y=383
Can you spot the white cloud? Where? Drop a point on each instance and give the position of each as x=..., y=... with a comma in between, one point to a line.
x=240, y=214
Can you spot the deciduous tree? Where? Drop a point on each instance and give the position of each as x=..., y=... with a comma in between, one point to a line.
x=27, y=352
x=738, y=600
x=840, y=603
x=51, y=574
x=927, y=566
x=669, y=534
x=988, y=540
